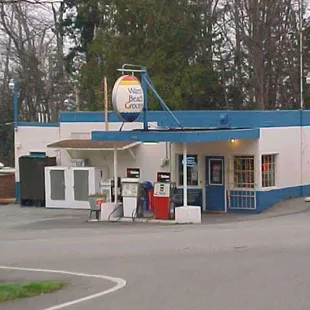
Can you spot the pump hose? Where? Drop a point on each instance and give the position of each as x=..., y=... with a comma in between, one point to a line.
x=115, y=209
x=134, y=214
x=138, y=212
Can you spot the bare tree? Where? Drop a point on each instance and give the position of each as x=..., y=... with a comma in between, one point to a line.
x=262, y=51
x=36, y=57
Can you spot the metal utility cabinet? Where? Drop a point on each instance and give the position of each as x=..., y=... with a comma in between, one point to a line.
x=31, y=173
x=69, y=187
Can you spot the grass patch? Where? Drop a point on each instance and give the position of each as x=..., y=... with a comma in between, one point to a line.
x=12, y=290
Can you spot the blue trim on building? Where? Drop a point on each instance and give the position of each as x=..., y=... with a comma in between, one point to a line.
x=176, y=136
x=266, y=199
x=238, y=119
x=37, y=124
x=97, y=117
x=17, y=191
x=37, y=154
x=87, y=117
x=204, y=118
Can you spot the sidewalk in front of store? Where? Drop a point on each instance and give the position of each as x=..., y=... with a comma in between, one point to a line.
x=285, y=207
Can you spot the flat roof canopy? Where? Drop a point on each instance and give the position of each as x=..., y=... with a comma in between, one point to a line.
x=207, y=135
x=87, y=144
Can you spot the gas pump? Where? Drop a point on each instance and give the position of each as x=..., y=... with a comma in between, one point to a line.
x=119, y=196
x=110, y=210
x=106, y=189
x=131, y=191
x=164, y=200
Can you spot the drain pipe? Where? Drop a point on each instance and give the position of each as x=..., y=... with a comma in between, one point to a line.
x=170, y=160
x=301, y=154
x=301, y=15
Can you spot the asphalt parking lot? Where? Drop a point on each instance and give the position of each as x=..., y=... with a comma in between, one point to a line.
x=253, y=263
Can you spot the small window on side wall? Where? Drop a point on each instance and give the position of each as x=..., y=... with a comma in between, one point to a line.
x=268, y=170
x=192, y=170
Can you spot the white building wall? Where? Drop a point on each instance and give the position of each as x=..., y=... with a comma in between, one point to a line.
x=83, y=131
x=306, y=155
x=34, y=139
x=151, y=157
x=286, y=142
x=146, y=157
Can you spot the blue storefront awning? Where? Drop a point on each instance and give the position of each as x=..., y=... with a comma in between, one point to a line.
x=207, y=135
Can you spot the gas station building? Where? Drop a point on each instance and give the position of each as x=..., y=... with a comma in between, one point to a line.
x=236, y=161
x=135, y=163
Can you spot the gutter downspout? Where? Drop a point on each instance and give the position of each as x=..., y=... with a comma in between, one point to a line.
x=170, y=160
x=301, y=4
x=301, y=153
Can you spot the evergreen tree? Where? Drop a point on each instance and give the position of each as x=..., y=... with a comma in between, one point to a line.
x=165, y=36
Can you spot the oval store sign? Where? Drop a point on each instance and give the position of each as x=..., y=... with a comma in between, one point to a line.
x=191, y=162
x=128, y=98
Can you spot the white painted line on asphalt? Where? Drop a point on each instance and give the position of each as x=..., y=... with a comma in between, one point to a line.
x=119, y=284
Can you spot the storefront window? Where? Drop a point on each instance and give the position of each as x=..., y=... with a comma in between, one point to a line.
x=192, y=170
x=244, y=171
x=268, y=170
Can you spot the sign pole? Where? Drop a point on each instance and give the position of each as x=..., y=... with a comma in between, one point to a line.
x=106, y=104
x=145, y=106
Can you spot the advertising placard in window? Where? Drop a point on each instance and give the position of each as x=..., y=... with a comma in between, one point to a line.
x=216, y=172
x=192, y=170
x=133, y=173
x=163, y=177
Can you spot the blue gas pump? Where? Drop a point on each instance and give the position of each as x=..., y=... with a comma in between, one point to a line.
x=147, y=186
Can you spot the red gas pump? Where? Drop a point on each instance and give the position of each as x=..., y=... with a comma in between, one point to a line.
x=150, y=194
x=163, y=200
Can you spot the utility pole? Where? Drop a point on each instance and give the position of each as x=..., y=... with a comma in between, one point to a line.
x=7, y=60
